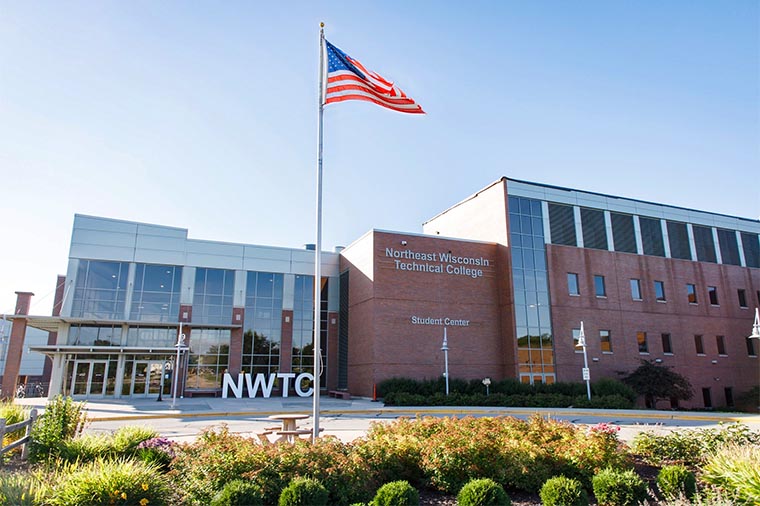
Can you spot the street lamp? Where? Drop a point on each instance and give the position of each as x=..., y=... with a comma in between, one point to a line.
x=586, y=373
x=445, y=349
x=756, y=330
x=180, y=344
x=487, y=383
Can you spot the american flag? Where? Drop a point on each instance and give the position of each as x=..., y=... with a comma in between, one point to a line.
x=348, y=79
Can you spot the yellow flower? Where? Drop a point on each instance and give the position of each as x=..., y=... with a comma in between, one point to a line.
x=145, y=486
x=123, y=495
x=143, y=501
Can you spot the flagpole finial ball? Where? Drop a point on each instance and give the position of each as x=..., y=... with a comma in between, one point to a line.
x=321, y=25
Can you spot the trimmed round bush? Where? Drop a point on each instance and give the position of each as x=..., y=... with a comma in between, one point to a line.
x=396, y=493
x=483, y=492
x=239, y=493
x=674, y=481
x=619, y=488
x=562, y=491
x=304, y=492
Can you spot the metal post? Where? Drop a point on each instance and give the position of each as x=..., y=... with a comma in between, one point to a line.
x=161, y=388
x=175, y=376
x=756, y=331
x=445, y=349
x=586, y=372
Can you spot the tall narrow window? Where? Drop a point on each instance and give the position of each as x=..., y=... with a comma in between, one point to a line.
x=562, y=224
x=678, y=238
x=699, y=345
x=667, y=347
x=691, y=293
x=572, y=284
x=576, y=336
x=742, y=294
x=605, y=341
x=594, y=229
x=636, y=289
x=751, y=347
x=721, y=343
x=712, y=291
x=651, y=236
x=659, y=291
x=729, y=248
x=705, y=243
x=599, y=288
x=751, y=248
x=641, y=339
x=706, y=398
x=623, y=232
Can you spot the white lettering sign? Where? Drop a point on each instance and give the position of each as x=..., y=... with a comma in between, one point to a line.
x=437, y=263
x=448, y=322
x=266, y=384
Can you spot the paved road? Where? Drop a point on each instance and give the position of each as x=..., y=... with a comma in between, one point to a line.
x=350, y=419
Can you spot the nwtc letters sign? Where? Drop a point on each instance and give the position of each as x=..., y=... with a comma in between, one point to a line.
x=265, y=384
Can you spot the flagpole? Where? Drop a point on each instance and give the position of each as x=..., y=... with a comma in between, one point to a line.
x=318, y=247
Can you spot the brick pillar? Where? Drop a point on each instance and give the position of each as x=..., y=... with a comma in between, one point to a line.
x=16, y=345
x=236, y=342
x=331, y=375
x=60, y=286
x=286, y=341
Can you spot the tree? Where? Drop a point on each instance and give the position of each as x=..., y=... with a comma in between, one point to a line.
x=658, y=382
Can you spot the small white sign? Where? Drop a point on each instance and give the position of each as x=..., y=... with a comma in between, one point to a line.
x=586, y=374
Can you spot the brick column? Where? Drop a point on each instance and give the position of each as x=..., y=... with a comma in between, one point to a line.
x=236, y=342
x=16, y=345
x=60, y=286
x=331, y=375
x=286, y=341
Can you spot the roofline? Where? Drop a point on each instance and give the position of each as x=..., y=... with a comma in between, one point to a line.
x=467, y=199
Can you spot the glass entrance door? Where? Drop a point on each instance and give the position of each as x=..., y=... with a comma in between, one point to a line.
x=146, y=378
x=89, y=378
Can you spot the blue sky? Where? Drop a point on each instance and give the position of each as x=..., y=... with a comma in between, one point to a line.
x=202, y=115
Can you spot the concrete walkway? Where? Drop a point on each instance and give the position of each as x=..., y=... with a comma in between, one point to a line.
x=350, y=419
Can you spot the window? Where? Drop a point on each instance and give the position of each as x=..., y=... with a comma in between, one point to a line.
x=212, y=299
x=594, y=229
x=691, y=293
x=699, y=345
x=751, y=248
x=623, y=232
x=641, y=338
x=742, y=298
x=712, y=291
x=678, y=238
x=729, y=248
x=728, y=391
x=599, y=288
x=651, y=236
x=635, y=289
x=706, y=397
x=703, y=240
x=576, y=336
x=605, y=341
x=667, y=348
x=721, y=343
x=659, y=291
x=572, y=284
x=562, y=224
x=750, y=347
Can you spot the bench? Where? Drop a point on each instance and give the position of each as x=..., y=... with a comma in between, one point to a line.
x=342, y=394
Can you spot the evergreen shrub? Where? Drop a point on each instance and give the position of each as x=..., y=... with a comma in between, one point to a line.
x=396, y=493
x=304, y=492
x=483, y=492
x=675, y=481
x=562, y=491
x=619, y=488
x=239, y=493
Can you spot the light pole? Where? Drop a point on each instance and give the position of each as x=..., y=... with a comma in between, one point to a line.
x=180, y=344
x=756, y=331
x=487, y=383
x=445, y=349
x=586, y=372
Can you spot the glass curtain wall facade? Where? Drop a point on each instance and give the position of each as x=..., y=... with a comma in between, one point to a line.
x=535, y=343
x=263, y=323
x=100, y=290
x=303, y=321
x=156, y=293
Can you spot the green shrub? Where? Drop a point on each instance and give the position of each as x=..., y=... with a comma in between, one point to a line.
x=562, y=491
x=608, y=386
x=157, y=450
x=239, y=493
x=304, y=492
x=23, y=488
x=396, y=493
x=122, y=443
x=619, y=488
x=104, y=481
x=690, y=447
x=675, y=481
x=62, y=421
x=734, y=470
x=483, y=492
